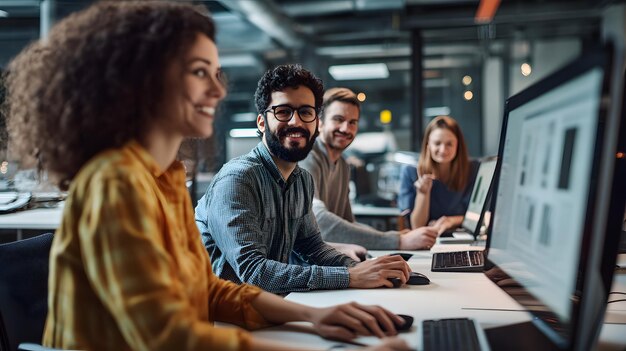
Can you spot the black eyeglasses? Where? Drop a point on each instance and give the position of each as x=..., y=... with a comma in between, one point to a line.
x=284, y=113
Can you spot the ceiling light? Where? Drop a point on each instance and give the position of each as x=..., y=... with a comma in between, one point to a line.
x=467, y=80
x=361, y=97
x=437, y=111
x=526, y=69
x=468, y=95
x=242, y=60
x=243, y=133
x=361, y=71
x=4, y=13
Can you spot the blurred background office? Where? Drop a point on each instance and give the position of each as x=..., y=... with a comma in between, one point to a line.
x=409, y=60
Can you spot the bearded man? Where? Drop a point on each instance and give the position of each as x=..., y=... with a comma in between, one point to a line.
x=257, y=211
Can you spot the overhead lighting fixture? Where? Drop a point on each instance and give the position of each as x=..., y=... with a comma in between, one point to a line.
x=243, y=133
x=4, y=13
x=437, y=111
x=526, y=69
x=361, y=97
x=486, y=10
x=360, y=71
x=241, y=60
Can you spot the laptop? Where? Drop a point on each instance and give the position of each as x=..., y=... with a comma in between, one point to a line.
x=474, y=216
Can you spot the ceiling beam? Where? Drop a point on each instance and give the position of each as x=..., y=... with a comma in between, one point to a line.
x=268, y=17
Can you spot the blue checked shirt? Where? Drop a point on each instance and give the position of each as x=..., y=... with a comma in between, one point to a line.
x=251, y=220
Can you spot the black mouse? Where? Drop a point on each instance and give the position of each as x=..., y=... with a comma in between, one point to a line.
x=408, y=322
x=395, y=281
x=447, y=234
x=405, y=256
x=418, y=279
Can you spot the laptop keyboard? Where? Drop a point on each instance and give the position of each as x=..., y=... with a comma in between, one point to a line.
x=450, y=334
x=458, y=259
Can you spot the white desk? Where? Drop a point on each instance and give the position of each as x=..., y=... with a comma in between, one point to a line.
x=362, y=210
x=37, y=219
x=449, y=295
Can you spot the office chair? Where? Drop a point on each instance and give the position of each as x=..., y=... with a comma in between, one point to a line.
x=24, y=292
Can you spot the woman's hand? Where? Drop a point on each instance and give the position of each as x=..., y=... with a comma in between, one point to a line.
x=355, y=252
x=424, y=183
x=443, y=223
x=344, y=322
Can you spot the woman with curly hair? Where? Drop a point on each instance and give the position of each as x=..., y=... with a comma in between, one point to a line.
x=438, y=191
x=103, y=104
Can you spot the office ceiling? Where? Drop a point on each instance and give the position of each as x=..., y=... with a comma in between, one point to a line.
x=254, y=34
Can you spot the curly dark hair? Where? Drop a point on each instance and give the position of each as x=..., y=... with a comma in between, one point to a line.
x=287, y=76
x=96, y=81
x=282, y=77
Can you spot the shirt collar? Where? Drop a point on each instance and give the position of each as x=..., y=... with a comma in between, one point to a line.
x=149, y=162
x=270, y=165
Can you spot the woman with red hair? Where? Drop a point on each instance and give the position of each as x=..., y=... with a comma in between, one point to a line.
x=437, y=191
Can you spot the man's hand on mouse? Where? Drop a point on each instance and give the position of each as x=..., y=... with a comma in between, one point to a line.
x=376, y=273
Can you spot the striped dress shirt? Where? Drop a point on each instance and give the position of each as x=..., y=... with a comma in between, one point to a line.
x=251, y=220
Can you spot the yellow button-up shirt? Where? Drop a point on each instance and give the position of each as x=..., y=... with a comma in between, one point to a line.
x=128, y=269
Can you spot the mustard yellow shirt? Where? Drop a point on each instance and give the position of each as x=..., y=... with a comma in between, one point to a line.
x=128, y=270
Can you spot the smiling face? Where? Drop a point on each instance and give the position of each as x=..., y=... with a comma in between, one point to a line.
x=191, y=113
x=442, y=145
x=293, y=140
x=339, y=126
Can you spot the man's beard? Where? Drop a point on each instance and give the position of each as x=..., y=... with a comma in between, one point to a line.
x=289, y=154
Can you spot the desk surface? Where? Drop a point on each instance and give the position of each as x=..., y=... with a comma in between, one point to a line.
x=39, y=218
x=449, y=295
x=362, y=210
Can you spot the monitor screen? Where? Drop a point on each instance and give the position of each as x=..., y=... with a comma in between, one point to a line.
x=551, y=153
x=478, y=198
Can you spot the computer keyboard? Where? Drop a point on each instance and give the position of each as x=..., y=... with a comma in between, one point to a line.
x=458, y=261
x=450, y=334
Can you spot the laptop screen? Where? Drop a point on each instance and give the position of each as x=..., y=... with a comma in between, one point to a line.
x=480, y=192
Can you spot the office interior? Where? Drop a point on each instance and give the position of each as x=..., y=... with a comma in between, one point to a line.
x=409, y=61
x=423, y=58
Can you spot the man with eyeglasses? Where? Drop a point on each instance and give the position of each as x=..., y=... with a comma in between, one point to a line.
x=338, y=125
x=257, y=210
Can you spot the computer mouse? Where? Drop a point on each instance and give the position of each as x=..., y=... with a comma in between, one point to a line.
x=447, y=234
x=405, y=256
x=408, y=322
x=395, y=281
x=418, y=279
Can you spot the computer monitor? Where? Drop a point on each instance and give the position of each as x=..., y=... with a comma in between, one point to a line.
x=558, y=204
x=479, y=199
